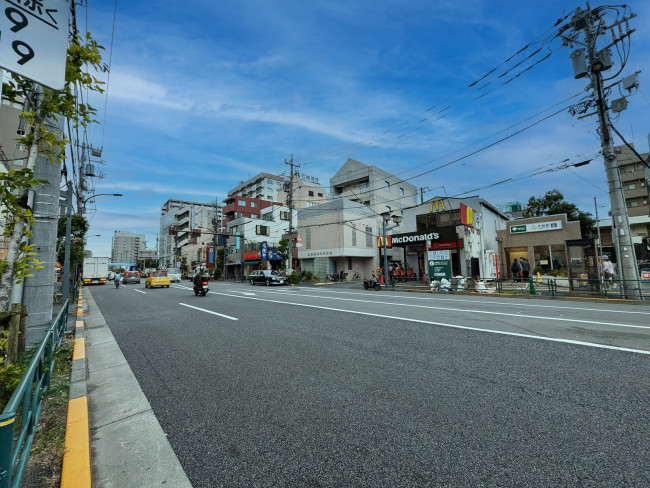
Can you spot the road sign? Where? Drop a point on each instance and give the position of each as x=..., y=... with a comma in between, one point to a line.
x=34, y=39
x=439, y=264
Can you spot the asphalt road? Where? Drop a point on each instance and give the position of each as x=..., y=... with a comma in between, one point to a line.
x=327, y=386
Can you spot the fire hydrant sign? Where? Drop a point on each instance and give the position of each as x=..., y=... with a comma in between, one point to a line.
x=34, y=39
x=439, y=264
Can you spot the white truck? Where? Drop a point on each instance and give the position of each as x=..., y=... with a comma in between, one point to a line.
x=95, y=271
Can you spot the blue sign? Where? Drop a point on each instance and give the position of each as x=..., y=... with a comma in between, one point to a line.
x=273, y=255
x=211, y=255
x=265, y=251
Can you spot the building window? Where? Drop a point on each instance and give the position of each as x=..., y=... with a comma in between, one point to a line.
x=254, y=204
x=401, y=192
x=320, y=194
x=284, y=215
x=387, y=185
x=633, y=203
x=268, y=216
x=241, y=203
x=311, y=193
x=368, y=236
x=363, y=185
x=631, y=186
x=308, y=237
x=262, y=230
x=354, y=235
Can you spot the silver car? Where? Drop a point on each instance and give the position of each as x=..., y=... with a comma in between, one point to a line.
x=267, y=277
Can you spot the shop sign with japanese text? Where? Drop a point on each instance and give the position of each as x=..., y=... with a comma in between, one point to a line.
x=439, y=264
x=536, y=227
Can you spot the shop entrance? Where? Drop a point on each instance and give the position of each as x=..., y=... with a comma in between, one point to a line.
x=513, y=253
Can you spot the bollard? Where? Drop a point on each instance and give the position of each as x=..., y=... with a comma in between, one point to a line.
x=532, y=287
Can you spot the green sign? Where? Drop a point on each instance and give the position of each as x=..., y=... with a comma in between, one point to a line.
x=517, y=229
x=439, y=265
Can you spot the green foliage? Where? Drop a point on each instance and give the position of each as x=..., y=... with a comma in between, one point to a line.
x=553, y=203
x=217, y=273
x=78, y=231
x=306, y=275
x=293, y=278
x=283, y=249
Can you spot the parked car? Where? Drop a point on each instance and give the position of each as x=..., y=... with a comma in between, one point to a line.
x=157, y=278
x=131, y=277
x=174, y=275
x=267, y=277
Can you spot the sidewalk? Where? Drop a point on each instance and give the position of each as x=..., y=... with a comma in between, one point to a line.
x=128, y=447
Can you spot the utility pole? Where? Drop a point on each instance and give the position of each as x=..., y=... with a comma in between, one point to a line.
x=591, y=23
x=292, y=164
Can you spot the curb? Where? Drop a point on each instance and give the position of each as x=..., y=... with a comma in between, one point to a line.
x=76, y=459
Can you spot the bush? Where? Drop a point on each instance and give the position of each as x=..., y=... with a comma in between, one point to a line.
x=293, y=279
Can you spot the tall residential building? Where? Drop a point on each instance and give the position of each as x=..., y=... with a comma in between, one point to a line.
x=126, y=246
x=185, y=224
x=635, y=178
x=306, y=190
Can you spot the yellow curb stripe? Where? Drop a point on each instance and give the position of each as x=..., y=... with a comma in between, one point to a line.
x=79, y=349
x=80, y=303
x=80, y=311
x=76, y=459
x=79, y=323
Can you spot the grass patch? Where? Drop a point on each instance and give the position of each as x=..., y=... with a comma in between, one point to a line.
x=46, y=457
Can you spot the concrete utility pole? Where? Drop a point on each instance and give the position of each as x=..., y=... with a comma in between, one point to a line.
x=290, y=205
x=599, y=61
x=38, y=290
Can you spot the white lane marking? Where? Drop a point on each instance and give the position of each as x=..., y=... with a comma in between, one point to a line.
x=486, y=312
x=140, y=291
x=247, y=293
x=209, y=311
x=491, y=302
x=452, y=326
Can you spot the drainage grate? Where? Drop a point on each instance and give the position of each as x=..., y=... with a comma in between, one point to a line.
x=92, y=327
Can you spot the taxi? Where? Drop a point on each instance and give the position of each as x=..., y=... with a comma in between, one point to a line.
x=157, y=278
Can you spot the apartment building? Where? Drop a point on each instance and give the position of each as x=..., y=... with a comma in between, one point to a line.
x=635, y=178
x=126, y=247
x=183, y=226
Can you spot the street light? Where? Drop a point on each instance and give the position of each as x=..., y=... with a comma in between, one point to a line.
x=83, y=202
x=397, y=219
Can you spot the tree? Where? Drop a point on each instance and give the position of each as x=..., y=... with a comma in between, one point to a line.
x=284, y=251
x=77, y=240
x=83, y=55
x=553, y=203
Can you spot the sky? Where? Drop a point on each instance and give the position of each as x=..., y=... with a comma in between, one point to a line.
x=203, y=95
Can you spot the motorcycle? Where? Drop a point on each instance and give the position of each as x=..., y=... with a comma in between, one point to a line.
x=201, y=288
x=373, y=283
x=341, y=276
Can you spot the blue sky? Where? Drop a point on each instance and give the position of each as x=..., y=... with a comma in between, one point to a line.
x=204, y=94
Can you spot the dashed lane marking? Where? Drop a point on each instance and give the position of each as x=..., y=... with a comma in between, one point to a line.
x=209, y=311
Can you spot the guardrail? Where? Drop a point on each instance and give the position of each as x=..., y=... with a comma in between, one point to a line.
x=564, y=286
x=19, y=419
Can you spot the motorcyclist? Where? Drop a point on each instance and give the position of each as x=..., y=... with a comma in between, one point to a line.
x=199, y=277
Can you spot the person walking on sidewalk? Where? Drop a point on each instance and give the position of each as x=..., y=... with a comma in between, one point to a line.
x=525, y=268
x=516, y=271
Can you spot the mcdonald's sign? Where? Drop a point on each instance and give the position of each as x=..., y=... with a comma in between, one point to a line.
x=380, y=242
x=466, y=215
x=438, y=205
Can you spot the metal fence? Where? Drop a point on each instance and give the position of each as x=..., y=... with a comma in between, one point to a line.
x=580, y=287
x=19, y=419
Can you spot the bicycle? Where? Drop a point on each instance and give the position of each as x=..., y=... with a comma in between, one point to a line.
x=356, y=276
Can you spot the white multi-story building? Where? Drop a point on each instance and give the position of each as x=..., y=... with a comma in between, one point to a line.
x=126, y=247
x=269, y=227
x=306, y=190
x=183, y=226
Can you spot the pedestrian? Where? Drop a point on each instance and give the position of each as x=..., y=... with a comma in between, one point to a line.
x=118, y=277
x=391, y=273
x=516, y=271
x=607, y=269
x=525, y=268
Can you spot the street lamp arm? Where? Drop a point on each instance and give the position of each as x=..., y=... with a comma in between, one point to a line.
x=83, y=202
